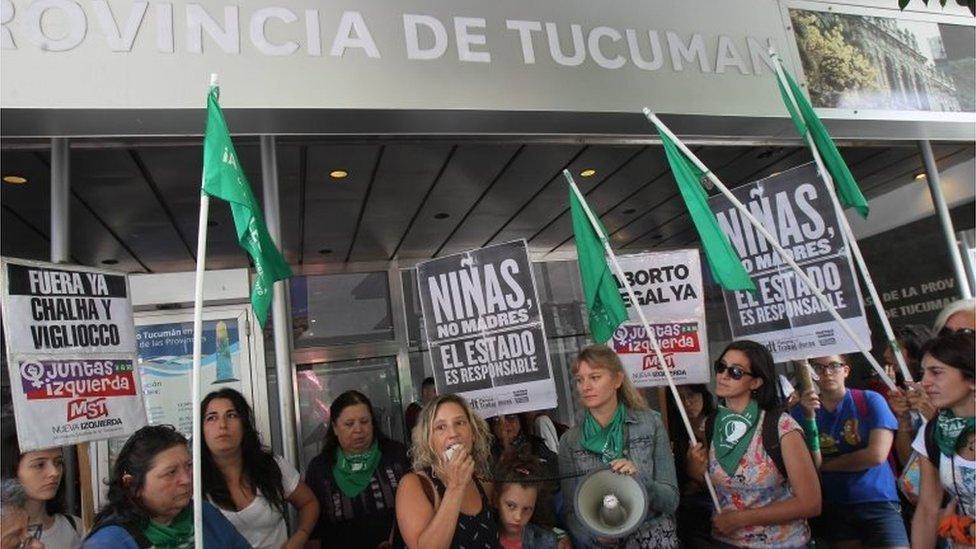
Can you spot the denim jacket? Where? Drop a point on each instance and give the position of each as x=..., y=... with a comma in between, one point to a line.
x=646, y=445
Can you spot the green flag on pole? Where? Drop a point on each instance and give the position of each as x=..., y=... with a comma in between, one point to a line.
x=806, y=120
x=603, y=301
x=223, y=178
x=725, y=264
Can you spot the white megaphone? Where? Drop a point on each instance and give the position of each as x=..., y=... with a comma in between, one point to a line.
x=610, y=505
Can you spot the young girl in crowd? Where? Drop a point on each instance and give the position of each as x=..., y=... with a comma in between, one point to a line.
x=519, y=494
x=40, y=472
x=695, y=509
x=617, y=430
x=948, y=444
x=761, y=507
x=249, y=484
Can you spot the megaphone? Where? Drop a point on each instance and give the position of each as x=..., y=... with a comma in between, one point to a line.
x=610, y=505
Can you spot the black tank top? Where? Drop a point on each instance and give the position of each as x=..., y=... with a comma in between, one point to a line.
x=473, y=531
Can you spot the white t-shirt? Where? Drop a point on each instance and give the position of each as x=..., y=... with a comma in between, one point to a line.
x=260, y=523
x=955, y=473
x=61, y=535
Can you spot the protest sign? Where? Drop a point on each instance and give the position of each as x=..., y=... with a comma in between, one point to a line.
x=70, y=353
x=484, y=329
x=668, y=287
x=783, y=313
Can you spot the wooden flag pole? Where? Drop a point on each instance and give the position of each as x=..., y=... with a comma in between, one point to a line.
x=846, y=231
x=652, y=336
x=774, y=243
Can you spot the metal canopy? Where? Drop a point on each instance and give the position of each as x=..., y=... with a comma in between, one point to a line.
x=134, y=201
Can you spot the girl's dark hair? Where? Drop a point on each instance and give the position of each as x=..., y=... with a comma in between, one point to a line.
x=912, y=337
x=956, y=349
x=526, y=470
x=10, y=456
x=343, y=401
x=675, y=425
x=260, y=470
x=136, y=458
x=762, y=366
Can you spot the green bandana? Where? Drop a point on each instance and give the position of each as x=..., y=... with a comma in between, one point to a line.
x=175, y=535
x=607, y=442
x=949, y=429
x=732, y=435
x=353, y=472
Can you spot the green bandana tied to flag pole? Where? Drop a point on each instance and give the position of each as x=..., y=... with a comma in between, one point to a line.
x=806, y=120
x=724, y=262
x=224, y=179
x=606, y=307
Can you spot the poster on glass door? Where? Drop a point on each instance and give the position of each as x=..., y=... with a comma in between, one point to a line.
x=70, y=353
x=484, y=329
x=166, y=364
x=668, y=289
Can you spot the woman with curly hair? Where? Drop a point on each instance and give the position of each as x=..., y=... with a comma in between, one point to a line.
x=248, y=483
x=444, y=502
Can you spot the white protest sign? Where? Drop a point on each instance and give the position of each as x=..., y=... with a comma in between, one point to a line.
x=484, y=329
x=783, y=313
x=668, y=287
x=71, y=349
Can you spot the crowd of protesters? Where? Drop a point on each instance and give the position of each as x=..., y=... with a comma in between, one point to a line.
x=827, y=465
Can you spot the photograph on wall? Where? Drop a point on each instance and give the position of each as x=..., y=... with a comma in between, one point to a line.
x=784, y=313
x=854, y=61
x=668, y=288
x=484, y=329
x=166, y=364
x=70, y=352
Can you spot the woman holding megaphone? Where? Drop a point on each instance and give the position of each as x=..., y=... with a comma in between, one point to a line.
x=762, y=471
x=618, y=430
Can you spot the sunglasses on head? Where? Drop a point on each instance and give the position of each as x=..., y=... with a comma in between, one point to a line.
x=947, y=331
x=735, y=372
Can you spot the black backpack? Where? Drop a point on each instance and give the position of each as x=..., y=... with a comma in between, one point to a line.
x=931, y=446
x=770, y=437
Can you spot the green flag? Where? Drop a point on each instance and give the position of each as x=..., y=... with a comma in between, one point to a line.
x=223, y=178
x=806, y=120
x=725, y=264
x=606, y=308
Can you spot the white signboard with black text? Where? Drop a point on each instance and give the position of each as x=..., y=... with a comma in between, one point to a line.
x=71, y=350
x=783, y=313
x=668, y=288
x=484, y=329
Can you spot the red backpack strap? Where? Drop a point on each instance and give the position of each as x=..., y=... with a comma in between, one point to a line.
x=861, y=403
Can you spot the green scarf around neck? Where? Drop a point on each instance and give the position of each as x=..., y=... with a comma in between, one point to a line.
x=607, y=442
x=732, y=435
x=353, y=472
x=175, y=535
x=949, y=429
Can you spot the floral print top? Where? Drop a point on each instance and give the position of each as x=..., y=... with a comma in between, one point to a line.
x=757, y=483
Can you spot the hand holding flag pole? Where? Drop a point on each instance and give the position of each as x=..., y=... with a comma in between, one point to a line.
x=597, y=228
x=774, y=243
x=792, y=96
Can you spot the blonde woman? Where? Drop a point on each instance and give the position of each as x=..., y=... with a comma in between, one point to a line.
x=617, y=430
x=443, y=503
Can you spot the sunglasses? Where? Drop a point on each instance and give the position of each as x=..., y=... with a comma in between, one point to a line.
x=735, y=372
x=947, y=331
x=831, y=367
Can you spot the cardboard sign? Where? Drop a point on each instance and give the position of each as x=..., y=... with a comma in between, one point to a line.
x=485, y=331
x=784, y=314
x=668, y=288
x=70, y=353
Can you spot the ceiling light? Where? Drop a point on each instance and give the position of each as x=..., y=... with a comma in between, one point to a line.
x=918, y=177
x=14, y=179
x=629, y=211
x=325, y=251
x=338, y=174
x=441, y=215
x=588, y=172
x=110, y=261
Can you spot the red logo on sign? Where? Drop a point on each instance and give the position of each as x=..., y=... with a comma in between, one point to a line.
x=87, y=408
x=651, y=362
